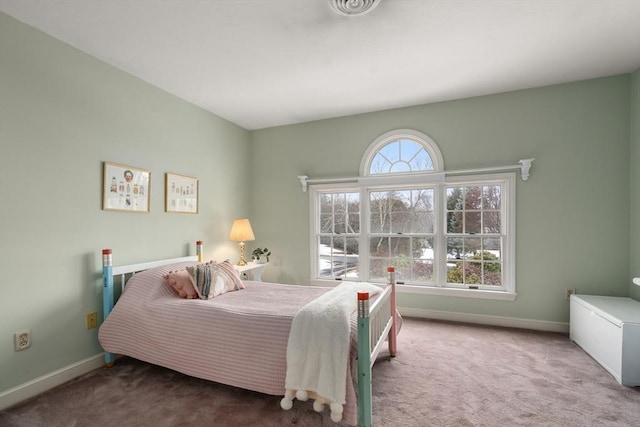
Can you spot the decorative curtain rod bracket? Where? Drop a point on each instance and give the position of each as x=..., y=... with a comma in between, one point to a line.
x=304, y=179
x=524, y=165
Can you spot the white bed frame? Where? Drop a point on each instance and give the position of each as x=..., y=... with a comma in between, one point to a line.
x=376, y=322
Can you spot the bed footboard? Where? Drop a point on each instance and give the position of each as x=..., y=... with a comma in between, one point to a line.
x=375, y=324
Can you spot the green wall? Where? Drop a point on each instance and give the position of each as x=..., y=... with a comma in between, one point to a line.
x=635, y=182
x=572, y=214
x=62, y=113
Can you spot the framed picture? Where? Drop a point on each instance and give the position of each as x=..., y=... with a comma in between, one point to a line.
x=181, y=194
x=125, y=188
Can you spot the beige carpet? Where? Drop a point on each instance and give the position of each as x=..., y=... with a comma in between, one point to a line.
x=446, y=374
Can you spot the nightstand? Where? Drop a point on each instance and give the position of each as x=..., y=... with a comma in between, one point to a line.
x=252, y=270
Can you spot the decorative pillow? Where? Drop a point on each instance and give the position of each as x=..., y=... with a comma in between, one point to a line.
x=180, y=282
x=213, y=279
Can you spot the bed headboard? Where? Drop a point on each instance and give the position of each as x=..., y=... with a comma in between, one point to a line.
x=126, y=271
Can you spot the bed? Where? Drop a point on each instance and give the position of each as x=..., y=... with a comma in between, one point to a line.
x=238, y=338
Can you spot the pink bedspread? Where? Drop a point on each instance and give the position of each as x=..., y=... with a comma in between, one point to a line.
x=238, y=339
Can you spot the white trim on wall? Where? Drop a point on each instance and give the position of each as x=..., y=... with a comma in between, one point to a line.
x=483, y=319
x=48, y=381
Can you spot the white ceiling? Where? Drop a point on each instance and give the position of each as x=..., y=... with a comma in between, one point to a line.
x=264, y=63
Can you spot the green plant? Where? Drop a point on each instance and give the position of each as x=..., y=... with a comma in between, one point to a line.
x=258, y=252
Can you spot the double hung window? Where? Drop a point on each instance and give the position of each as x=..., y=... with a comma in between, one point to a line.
x=446, y=235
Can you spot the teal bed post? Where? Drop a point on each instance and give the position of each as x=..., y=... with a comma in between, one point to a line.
x=107, y=294
x=364, y=361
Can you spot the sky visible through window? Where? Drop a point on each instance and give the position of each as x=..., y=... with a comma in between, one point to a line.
x=401, y=156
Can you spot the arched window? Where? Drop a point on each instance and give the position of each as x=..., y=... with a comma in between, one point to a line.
x=445, y=235
x=399, y=152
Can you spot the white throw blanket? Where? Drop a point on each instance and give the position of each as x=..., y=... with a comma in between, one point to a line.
x=318, y=348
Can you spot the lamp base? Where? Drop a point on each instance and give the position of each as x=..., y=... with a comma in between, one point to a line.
x=242, y=262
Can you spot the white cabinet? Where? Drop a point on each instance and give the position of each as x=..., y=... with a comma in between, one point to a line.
x=608, y=329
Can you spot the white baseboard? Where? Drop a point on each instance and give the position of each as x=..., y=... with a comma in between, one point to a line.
x=46, y=382
x=483, y=319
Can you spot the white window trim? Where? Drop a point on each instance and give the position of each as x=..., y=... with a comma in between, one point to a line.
x=508, y=180
x=508, y=223
x=434, y=290
x=313, y=219
x=394, y=135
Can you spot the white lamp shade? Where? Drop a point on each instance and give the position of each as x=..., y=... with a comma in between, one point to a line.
x=241, y=231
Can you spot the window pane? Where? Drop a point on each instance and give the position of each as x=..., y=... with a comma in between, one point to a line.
x=400, y=167
x=353, y=223
x=400, y=247
x=482, y=261
x=391, y=151
x=424, y=248
x=454, y=247
x=422, y=161
x=339, y=223
x=401, y=222
x=351, y=257
x=454, y=272
x=472, y=246
x=454, y=198
x=324, y=252
x=326, y=203
x=424, y=199
x=403, y=271
x=491, y=198
x=472, y=273
x=491, y=222
x=407, y=211
x=380, y=218
x=409, y=149
x=473, y=198
x=339, y=215
x=378, y=269
x=493, y=274
x=339, y=258
x=379, y=165
x=353, y=212
x=472, y=222
x=421, y=222
x=422, y=271
x=493, y=246
x=454, y=222
x=400, y=156
x=379, y=247
x=326, y=223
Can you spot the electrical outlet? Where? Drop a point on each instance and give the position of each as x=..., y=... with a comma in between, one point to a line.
x=569, y=292
x=22, y=339
x=92, y=320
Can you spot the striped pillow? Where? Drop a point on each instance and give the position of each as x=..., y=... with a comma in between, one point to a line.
x=212, y=279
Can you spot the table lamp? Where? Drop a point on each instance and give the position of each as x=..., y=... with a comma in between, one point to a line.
x=241, y=232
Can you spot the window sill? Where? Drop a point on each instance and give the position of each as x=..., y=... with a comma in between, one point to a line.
x=431, y=290
x=452, y=292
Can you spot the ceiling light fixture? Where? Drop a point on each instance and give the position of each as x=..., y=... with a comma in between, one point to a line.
x=353, y=7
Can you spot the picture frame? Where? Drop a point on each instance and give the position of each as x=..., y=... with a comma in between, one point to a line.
x=125, y=188
x=181, y=193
